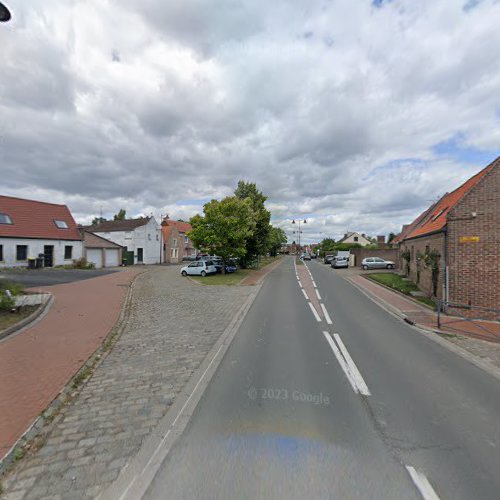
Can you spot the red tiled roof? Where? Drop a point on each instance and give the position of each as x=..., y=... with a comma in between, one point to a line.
x=35, y=219
x=434, y=219
x=183, y=227
x=408, y=228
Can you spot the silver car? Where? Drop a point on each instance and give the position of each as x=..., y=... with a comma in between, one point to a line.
x=338, y=262
x=199, y=268
x=376, y=263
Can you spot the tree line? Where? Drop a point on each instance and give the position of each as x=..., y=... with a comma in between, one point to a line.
x=237, y=226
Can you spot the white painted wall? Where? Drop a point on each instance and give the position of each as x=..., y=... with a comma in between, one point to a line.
x=361, y=240
x=35, y=247
x=147, y=237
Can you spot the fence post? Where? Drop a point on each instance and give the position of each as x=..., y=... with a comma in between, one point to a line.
x=439, y=314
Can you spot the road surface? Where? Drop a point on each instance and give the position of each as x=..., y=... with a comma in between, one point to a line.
x=364, y=407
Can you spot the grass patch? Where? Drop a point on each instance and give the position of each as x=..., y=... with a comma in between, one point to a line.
x=8, y=319
x=396, y=282
x=86, y=372
x=15, y=288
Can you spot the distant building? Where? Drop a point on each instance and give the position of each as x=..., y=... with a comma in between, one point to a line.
x=355, y=237
x=176, y=242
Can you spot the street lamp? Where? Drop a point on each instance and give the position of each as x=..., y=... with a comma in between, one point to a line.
x=4, y=13
x=299, y=232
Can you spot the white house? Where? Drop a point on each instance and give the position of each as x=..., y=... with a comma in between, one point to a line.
x=354, y=237
x=30, y=228
x=141, y=238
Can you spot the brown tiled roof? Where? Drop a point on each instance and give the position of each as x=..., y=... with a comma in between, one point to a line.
x=183, y=227
x=92, y=240
x=35, y=219
x=110, y=226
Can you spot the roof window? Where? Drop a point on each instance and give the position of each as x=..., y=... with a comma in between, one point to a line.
x=439, y=214
x=5, y=219
x=61, y=224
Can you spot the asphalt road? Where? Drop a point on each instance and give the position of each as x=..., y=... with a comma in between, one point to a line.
x=283, y=419
x=32, y=278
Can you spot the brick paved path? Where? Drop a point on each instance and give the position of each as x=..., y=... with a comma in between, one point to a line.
x=37, y=363
x=173, y=324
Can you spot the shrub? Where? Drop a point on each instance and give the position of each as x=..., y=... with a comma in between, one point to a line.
x=6, y=303
x=82, y=263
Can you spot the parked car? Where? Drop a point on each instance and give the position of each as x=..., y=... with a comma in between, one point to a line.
x=231, y=267
x=199, y=268
x=305, y=256
x=218, y=263
x=190, y=258
x=328, y=259
x=376, y=263
x=338, y=262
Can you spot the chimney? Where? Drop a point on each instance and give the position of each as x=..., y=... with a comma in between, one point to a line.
x=381, y=239
x=363, y=234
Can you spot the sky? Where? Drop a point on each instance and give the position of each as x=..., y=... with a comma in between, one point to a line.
x=354, y=115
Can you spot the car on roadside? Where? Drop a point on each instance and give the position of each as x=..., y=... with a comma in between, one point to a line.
x=376, y=263
x=339, y=262
x=328, y=259
x=305, y=256
x=231, y=267
x=199, y=268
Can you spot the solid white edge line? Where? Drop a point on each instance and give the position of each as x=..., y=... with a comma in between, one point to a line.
x=341, y=361
x=363, y=388
x=422, y=483
x=317, y=294
x=316, y=315
x=327, y=316
x=305, y=294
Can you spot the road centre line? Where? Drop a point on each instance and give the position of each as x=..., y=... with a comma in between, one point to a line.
x=341, y=361
x=422, y=483
x=316, y=315
x=327, y=316
x=363, y=388
x=317, y=294
x=305, y=294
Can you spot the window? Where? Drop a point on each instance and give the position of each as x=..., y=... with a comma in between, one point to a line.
x=1, y=253
x=149, y=236
x=186, y=240
x=5, y=219
x=68, y=252
x=22, y=252
x=356, y=238
x=61, y=224
x=157, y=238
x=175, y=242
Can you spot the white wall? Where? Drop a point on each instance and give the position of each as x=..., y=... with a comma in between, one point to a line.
x=361, y=240
x=147, y=237
x=35, y=247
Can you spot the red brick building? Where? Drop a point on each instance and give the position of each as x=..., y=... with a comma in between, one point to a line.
x=452, y=250
x=176, y=243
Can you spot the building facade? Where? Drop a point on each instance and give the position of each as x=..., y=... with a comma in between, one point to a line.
x=177, y=244
x=354, y=237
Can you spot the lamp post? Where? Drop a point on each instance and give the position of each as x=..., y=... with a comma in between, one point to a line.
x=299, y=231
x=4, y=13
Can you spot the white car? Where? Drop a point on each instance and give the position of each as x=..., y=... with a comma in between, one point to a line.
x=199, y=268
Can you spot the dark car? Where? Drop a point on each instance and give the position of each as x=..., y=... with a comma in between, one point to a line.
x=218, y=264
x=231, y=268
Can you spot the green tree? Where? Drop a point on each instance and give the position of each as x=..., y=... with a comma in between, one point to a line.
x=121, y=215
x=224, y=228
x=327, y=245
x=257, y=242
x=390, y=237
x=98, y=220
x=276, y=239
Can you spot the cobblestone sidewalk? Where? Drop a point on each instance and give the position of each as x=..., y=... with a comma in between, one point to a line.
x=172, y=325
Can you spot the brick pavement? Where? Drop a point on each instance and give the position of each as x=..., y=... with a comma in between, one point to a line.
x=172, y=325
x=37, y=363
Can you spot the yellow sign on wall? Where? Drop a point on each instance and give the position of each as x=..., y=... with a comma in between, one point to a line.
x=469, y=239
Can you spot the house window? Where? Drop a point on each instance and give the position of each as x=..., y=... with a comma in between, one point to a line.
x=186, y=240
x=175, y=242
x=61, y=224
x=1, y=253
x=427, y=249
x=5, y=219
x=356, y=238
x=157, y=238
x=22, y=252
x=149, y=236
x=68, y=252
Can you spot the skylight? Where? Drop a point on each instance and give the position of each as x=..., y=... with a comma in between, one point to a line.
x=5, y=219
x=61, y=224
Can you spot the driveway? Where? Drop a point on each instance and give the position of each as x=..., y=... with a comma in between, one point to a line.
x=32, y=278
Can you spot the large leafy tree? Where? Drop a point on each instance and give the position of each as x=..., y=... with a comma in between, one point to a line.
x=121, y=215
x=224, y=228
x=276, y=239
x=257, y=242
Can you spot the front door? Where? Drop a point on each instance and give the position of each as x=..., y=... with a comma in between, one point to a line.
x=140, y=257
x=48, y=255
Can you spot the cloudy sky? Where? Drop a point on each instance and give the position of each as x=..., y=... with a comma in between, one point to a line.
x=353, y=114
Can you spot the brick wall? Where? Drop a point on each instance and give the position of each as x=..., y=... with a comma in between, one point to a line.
x=383, y=253
x=419, y=272
x=474, y=266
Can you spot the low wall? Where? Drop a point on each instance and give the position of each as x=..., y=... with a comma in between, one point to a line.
x=383, y=253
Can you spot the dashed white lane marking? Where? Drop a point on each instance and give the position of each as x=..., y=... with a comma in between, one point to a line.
x=341, y=361
x=314, y=284
x=300, y=284
x=422, y=483
x=363, y=388
x=317, y=294
x=327, y=316
x=316, y=315
x=305, y=294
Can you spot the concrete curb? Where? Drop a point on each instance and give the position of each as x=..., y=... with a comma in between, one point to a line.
x=137, y=475
x=31, y=320
x=433, y=334
x=52, y=414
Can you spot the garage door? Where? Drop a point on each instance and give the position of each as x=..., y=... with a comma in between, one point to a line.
x=112, y=255
x=94, y=255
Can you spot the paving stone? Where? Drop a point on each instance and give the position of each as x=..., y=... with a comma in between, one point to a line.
x=162, y=345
